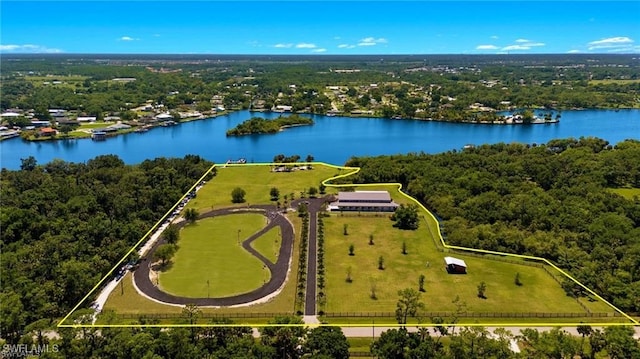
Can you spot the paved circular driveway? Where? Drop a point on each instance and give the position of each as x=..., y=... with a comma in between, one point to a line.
x=278, y=270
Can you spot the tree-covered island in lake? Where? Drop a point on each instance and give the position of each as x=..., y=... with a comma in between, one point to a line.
x=262, y=125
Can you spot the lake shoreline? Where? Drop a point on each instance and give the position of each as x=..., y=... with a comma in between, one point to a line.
x=331, y=139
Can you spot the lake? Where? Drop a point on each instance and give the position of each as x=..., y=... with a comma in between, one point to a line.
x=331, y=139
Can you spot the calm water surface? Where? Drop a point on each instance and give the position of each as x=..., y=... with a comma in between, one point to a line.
x=331, y=139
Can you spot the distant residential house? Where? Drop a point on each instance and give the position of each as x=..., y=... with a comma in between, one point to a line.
x=455, y=265
x=364, y=201
x=66, y=121
x=164, y=117
x=118, y=126
x=47, y=132
x=37, y=123
x=124, y=79
x=283, y=108
x=10, y=115
x=87, y=119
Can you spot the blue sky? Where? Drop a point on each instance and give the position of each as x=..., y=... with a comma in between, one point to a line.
x=327, y=27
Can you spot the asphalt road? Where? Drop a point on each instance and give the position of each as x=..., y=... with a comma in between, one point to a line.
x=310, y=304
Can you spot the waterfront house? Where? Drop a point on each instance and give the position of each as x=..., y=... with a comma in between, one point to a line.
x=164, y=117
x=283, y=108
x=47, y=132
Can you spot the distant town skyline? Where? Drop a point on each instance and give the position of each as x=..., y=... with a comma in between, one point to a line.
x=328, y=27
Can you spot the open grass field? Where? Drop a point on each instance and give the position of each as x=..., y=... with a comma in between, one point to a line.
x=539, y=292
x=209, y=252
x=269, y=244
x=627, y=193
x=70, y=81
x=257, y=181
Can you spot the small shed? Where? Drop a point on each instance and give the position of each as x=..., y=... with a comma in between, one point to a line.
x=455, y=265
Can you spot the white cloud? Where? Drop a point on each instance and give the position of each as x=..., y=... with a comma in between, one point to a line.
x=127, y=38
x=573, y=51
x=612, y=41
x=319, y=50
x=618, y=44
x=29, y=48
x=495, y=37
x=282, y=46
x=529, y=43
x=522, y=44
x=371, y=41
x=486, y=47
x=336, y=37
x=515, y=47
x=305, y=45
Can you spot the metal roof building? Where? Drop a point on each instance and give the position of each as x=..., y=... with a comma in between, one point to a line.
x=364, y=201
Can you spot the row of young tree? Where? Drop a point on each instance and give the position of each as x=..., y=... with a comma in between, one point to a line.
x=554, y=201
x=65, y=225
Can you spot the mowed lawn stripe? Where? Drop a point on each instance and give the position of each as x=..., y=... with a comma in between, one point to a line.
x=209, y=251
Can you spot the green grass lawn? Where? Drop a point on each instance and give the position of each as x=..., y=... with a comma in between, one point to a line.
x=257, y=181
x=209, y=251
x=360, y=344
x=539, y=292
x=269, y=244
x=627, y=193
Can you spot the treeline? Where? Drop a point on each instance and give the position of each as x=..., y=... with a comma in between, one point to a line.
x=295, y=342
x=261, y=125
x=552, y=201
x=65, y=225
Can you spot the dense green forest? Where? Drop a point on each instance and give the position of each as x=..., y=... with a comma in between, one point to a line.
x=553, y=201
x=262, y=125
x=65, y=225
